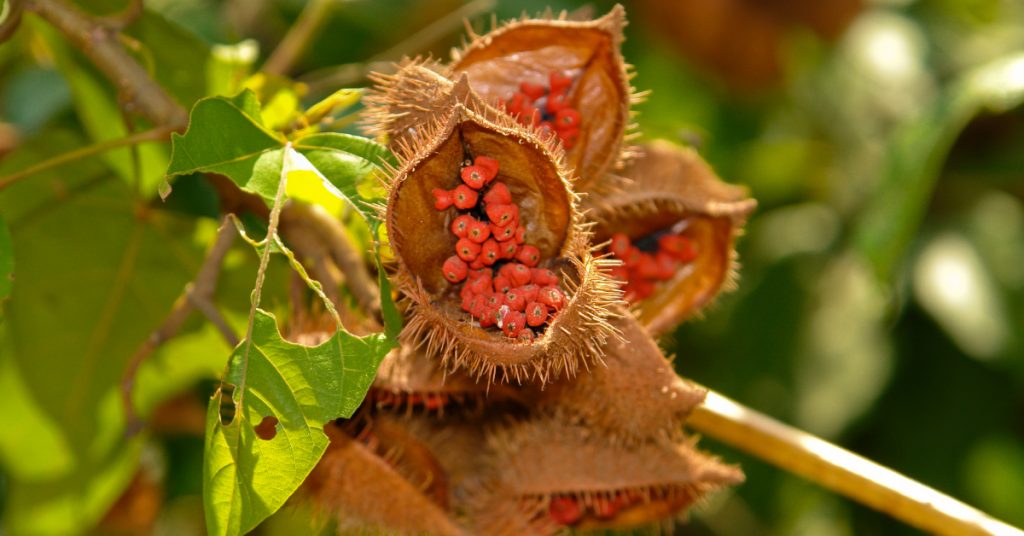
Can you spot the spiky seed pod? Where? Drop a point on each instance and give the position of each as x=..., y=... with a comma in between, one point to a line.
x=635, y=396
x=409, y=382
x=421, y=239
x=539, y=467
x=579, y=60
x=365, y=493
x=671, y=189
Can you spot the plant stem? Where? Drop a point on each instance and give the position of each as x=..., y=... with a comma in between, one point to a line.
x=100, y=43
x=197, y=294
x=840, y=470
x=294, y=43
x=156, y=134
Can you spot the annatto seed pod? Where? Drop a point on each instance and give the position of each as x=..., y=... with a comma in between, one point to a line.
x=547, y=476
x=461, y=320
x=673, y=225
x=635, y=396
x=571, y=73
x=364, y=492
x=409, y=382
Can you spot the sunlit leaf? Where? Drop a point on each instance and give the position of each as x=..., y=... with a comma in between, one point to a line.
x=306, y=183
x=248, y=476
x=229, y=65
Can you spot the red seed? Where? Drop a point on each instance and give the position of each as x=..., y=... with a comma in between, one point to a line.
x=567, y=118
x=495, y=299
x=647, y=267
x=530, y=115
x=490, y=165
x=478, y=231
x=506, y=271
x=490, y=252
x=467, y=299
x=474, y=176
x=619, y=272
x=678, y=246
x=460, y=225
x=477, y=264
x=533, y=91
x=552, y=297
x=521, y=235
x=455, y=269
x=501, y=214
x=536, y=314
x=667, y=265
x=632, y=257
x=570, y=136
x=513, y=323
x=529, y=292
x=525, y=335
x=565, y=510
x=502, y=284
x=604, y=508
x=515, y=300
x=547, y=128
x=478, y=305
x=466, y=249
x=509, y=249
x=498, y=195
x=559, y=82
x=442, y=198
x=515, y=104
x=519, y=274
x=464, y=197
x=620, y=245
x=528, y=255
x=488, y=318
x=543, y=277
x=480, y=281
x=557, y=102
x=642, y=289
x=501, y=233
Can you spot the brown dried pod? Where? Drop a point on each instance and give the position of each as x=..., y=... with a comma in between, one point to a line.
x=364, y=492
x=548, y=476
x=409, y=382
x=672, y=202
x=549, y=64
x=635, y=396
x=540, y=207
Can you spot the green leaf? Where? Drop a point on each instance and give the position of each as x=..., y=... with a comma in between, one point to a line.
x=6, y=264
x=247, y=478
x=917, y=153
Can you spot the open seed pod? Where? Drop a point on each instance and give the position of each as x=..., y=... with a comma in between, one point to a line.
x=674, y=227
x=400, y=107
x=481, y=208
x=548, y=476
x=567, y=73
x=408, y=382
x=635, y=396
x=367, y=484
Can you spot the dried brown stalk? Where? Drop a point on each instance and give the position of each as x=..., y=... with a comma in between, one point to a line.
x=840, y=470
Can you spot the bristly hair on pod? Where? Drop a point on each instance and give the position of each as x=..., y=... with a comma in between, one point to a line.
x=546, y=476
x=635, y=397
x=673, y=224
x=573, y=326
x=564, y=74
x=367, y=494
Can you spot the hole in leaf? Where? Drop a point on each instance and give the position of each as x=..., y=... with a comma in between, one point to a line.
x=227, y=404
x=267, y=428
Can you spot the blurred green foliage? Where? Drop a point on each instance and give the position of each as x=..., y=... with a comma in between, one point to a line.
x=881, y=298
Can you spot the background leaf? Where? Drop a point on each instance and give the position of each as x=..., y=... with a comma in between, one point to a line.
x=247, y=478
x=6, y=265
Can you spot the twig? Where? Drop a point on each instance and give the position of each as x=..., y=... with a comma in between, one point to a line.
x=294, y=43
x=197, y=294
x=840, y=470
x=12, y=21
x=344, y=253
x=156, y=134
x=348, y=74
x=310, y=247
x=125, y=17
x=100, y=43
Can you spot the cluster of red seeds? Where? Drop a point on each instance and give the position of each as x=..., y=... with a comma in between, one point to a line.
x=641, y=269
x=547, y=108
x=383, y=398
x=568, y=509
x=502, y=286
